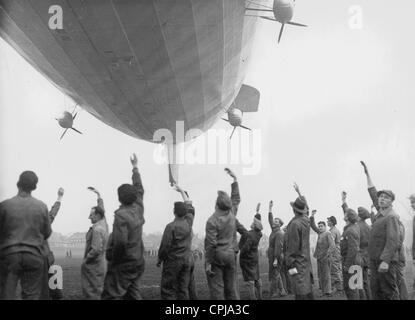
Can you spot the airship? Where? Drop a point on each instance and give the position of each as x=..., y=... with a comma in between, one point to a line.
x=139, y=65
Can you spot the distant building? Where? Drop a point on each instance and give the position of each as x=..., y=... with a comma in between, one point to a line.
x=76, y=240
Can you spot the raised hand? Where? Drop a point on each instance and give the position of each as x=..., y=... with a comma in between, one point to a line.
x=61, y=192
x=364, y=167
x=313, y=213
x=297, y=189
x=229, y=172
x=344, y=196
x=134, y=160
x=258, y=206
x=271, y=204
x=94, y=191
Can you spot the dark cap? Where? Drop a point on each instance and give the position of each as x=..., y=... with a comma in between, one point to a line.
x=363, y=213
x=351, y=215
x=180, y=209
x=387, y=192
x=332, y=219
x=223, y=201
x=299, y=205
x=127, y=194
x=27, y=181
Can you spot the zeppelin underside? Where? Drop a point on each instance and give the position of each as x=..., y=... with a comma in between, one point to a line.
x=138, y=65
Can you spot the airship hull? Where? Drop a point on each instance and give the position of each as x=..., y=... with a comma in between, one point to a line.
x=138, y=65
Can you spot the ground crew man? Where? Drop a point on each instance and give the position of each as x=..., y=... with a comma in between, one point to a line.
x=24, y=227
x=47, y=292
x=364, y=234
x=298, y=250
x=349, y=245
x=125, y=245
x=336, y=260
x=384, y=245
x=412, y=200
x=94, y=266
x=323, y=253
x=364, y=229
x=249, y=258
x=276, y=273
x=175, y=251
x=221, y=245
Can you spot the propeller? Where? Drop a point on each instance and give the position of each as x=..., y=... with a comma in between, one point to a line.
x=73, y=118
x=281, y=31
x=282, y=25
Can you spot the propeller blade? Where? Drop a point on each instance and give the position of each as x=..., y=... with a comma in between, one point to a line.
x=268, y=18
x=232, y=133
x=63, y=133
x=267, y=10
x=225, y=120
x=245, y=128
x=76, y=130
x=258, y=4
x=73, y=117
x=296, y=24
x=281, y=30
x=74, y=108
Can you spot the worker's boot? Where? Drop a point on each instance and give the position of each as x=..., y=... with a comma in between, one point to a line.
x=258, y=289
x=251, y=290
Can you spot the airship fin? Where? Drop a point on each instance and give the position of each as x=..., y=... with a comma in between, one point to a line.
x=247, y=99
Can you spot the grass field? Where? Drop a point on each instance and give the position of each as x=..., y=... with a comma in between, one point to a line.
x=152, y=275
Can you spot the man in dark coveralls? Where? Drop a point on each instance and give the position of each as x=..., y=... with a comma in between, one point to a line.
x=221, y=245
x=298, y=250
x=125, y=245
x=384, y=245
x=249, y=258
x=175, y=251
x=24, y=227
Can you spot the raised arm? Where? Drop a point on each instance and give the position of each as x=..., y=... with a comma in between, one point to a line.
x=235, y=196
x=313, y=222
x=270, y=215
x=371, y=187
x=297, y=189
x=344, y=203
x=56, y=206
x=137, y=181
x=190, y=210
x=100, y=201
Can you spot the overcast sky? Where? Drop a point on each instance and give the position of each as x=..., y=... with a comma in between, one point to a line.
x=330, y=97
